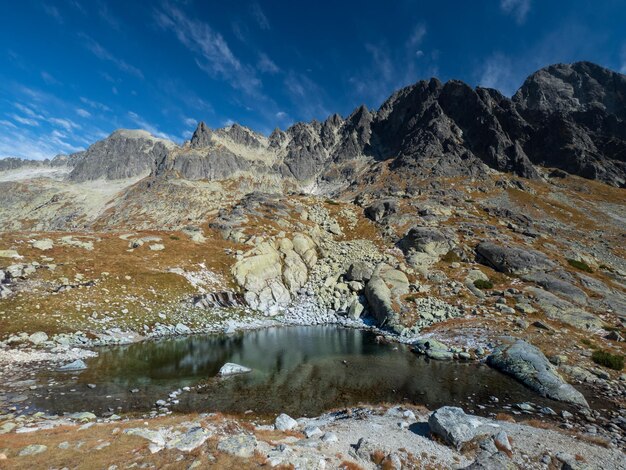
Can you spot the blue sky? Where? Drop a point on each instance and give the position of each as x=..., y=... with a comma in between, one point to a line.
x=72, y=71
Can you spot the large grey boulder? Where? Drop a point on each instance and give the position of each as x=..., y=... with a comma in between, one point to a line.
x=360, y=271
x=455, y=427
x=558, y=286
x=528, y=365
x=429, y=240
x=560, y=309
x=383, y=292
x=381, y=209
x=241, y=445
x=513, y=260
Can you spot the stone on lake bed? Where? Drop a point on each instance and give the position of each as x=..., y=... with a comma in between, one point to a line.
x=231, y=368
x=78, y=364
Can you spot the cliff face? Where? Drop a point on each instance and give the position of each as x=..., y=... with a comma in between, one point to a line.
x=572, y=117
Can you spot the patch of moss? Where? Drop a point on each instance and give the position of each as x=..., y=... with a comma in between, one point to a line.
x=588, y=343
x=482, y=284
x=331, y=202
x=580, y=265
x=451, y=257
x=174, y=237
x=606, y=359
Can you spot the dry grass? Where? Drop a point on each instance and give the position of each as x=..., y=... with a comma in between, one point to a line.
x=148, y=281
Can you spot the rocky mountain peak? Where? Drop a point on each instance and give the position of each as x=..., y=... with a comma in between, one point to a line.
x=201, y=136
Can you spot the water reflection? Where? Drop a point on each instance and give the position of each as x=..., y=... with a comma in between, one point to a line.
x=299, y=370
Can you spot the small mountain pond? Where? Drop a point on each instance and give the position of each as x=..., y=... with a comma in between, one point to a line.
x=302, y=371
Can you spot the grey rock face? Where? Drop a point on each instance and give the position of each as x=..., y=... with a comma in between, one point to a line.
x=385, y=287
x=527, y=364
x=201, y=136
x=124, y=154
x=577, y=113
x=513, y=260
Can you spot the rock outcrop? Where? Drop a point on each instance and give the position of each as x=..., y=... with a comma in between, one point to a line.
x=273, y=271
x=527, y=364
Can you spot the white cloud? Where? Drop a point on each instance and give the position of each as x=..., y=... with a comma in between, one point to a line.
x=24, y=120
x=267, y=65
x=83, y=112
x=6, y=123
x=191, y=122
x=66, y=124
x=259, y=16
x=94, y=104
x=53, y=11
x=28, y=111
x=282, y=115
x=145, y=125
x=103, y=54
x=497, y=72
x=417, y=36
x=49, y=79
x=306, y=95
x=217, y=58
x=518, y=9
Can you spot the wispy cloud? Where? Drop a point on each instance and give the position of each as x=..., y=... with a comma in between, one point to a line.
x=103, y=54
x=49, y=79
x=498, y=73
x=267, y=65
x=83, y=113
x=306, y=95
x=390, y=68
x=216, y=57
x=94, y=104
x=66, y=124
x=53, y=12
x=145, y=125
x=518, y=9
x=107, y=16
x=24, y=120
x=259, y=16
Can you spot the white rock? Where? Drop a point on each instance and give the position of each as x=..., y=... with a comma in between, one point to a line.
x=285, y=422
x=232, y=369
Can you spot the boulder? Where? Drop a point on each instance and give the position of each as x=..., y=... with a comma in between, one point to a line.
x=429, y=240
x=560, y=309
x=285, y=422
x=242, y=445
x=38, y=338
x=190, y=440
x=383, y=292
x=233, y=369
x=32, y=449
x=381, y=209
x=558, y=286
x=455, y=427
x=43, y=244
x=528, y=365
x=360, y=271
x=513, y=260
x=433, y=349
